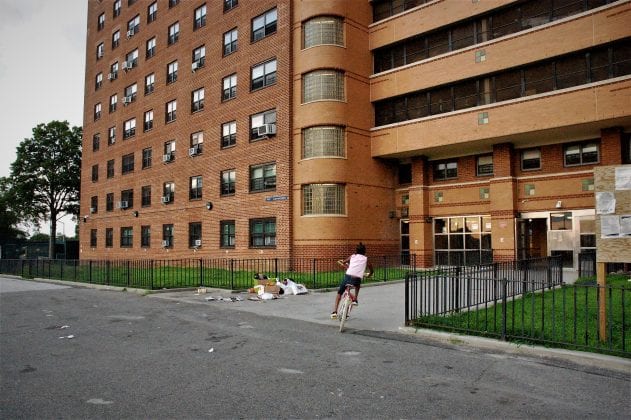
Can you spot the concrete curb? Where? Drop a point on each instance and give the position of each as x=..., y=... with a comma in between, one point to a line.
x=596, y=360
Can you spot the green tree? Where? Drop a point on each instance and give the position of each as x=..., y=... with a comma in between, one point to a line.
x=45, y=177
x=8, y=218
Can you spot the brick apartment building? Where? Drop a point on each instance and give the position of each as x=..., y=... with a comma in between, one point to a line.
x=460, y=131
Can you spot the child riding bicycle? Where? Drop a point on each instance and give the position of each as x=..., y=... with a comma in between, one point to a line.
x=355, y=265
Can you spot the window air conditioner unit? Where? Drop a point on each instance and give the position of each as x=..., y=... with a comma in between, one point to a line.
x=198, y=242
x=99, y=55
x=195, y=150
x=267, y=130
x=166, y=243
x=130, y=33
x=167, y=157
x=92, y=209
x=127, y=100
x=166, y=199
x=194, y=66
x=123, y=204
x=111, y=76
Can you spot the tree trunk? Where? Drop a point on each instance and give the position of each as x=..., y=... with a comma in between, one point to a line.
x=53, y=236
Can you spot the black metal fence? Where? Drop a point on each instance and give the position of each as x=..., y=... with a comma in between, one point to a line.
x=587, y=265
x=519, y=301
x=235, y=274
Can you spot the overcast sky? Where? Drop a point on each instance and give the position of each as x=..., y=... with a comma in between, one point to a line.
x=42, y=65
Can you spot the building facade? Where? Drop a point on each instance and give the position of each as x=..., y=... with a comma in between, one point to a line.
x=461, y=132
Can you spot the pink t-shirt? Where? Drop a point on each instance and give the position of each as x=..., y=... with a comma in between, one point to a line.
x=357, y=265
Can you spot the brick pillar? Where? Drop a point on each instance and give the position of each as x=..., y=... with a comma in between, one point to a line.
x=611, y=146
x=503, y=194
x=421, y=238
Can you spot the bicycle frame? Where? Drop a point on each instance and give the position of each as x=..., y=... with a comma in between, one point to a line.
x=346, y=301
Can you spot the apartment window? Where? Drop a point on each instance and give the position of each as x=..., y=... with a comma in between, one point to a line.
x=484, y=165
x=171, y=72
x=264, y=25
x=462, y=240
x=229, y=87
x=445, y=170
x=130, y=93
x=167, y=235
x=199, y=19
x=228, y=134
x=195, y=188
x=197, y=143
x=127, y=164
x=131, y=60
x=117, y=8
x=151, y=48
x=129, y=128
x=95, y=173
x=584, y=153
x=110, y=168
x=148, y=120
x=93, y=238
x=133, y=26
x=194, y=234
x=169, y=151
x=321, y=199
x=127, y=199
x=109, y=201
x=228, y=182
x=229, y=4
x=259, y=120
x=111, y=136
x=127, y=237
x=323, y=85
x=98, y=81
x=113, y=102
x=109, y=237
x=197, y=100
x=263, y=232
x=323, y=30
x=174, y=33
x=530, y=159
x=96, y=142
x=94, y=204
x=323, y=141
x=170, y=111
x=145, y=195
x=227, y=233
x=97, y=111
x=561, y=221
x=168, y=192
x=150, y=83
x=145, y=236
x=101, y=21
x=113, y=71
x=263, y=177
x=199, y=57
x=173, y=3
x=263, y=75
x=100, y=51
x=116, y=39
x=152, y=12
x=230, y=41
x=147, y=155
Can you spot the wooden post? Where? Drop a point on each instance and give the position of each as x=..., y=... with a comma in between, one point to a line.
x=601, y=277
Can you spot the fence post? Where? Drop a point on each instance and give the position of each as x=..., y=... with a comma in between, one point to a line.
x=276, y=267
x=201, y=273
x=61, y=268
x=504, y=284
x=407, y=299
x=128, y=277
x=313, y=272
x=151, y=271
x=232, y=273
x=90, y=276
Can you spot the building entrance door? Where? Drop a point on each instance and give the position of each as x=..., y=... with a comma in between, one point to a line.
x=532, y=239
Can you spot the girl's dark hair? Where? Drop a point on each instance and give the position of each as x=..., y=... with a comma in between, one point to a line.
x=361, y=249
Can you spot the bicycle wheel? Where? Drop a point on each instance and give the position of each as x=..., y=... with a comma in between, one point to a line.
x=346, y=304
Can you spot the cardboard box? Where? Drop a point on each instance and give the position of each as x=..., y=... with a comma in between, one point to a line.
x=272, y=289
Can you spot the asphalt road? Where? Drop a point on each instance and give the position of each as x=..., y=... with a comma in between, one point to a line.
x=134, y=356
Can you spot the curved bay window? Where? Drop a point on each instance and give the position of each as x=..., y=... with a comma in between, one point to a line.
x=323, y=199
x=323, y=30
x=323, y=85
x=323, y=141
x=462, y=240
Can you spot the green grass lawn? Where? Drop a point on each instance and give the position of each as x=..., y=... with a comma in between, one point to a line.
x=562, y=317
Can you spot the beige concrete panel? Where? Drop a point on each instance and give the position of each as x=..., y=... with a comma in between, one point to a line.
x=321, y=170
x=322, y=57
x=600, y=103
x=426, y=18
x=560, y=38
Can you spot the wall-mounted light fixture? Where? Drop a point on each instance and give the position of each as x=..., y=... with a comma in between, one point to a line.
x=559, y=204
x=85, y=219
x=209, y=206
x=135, y=213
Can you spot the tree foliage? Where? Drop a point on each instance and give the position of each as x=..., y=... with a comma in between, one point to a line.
x=45, y=177
x=9, y=220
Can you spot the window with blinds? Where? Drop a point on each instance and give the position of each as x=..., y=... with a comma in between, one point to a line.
x=323, y=30
x=323, y=84
x=323, y=199
x=323, y=141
